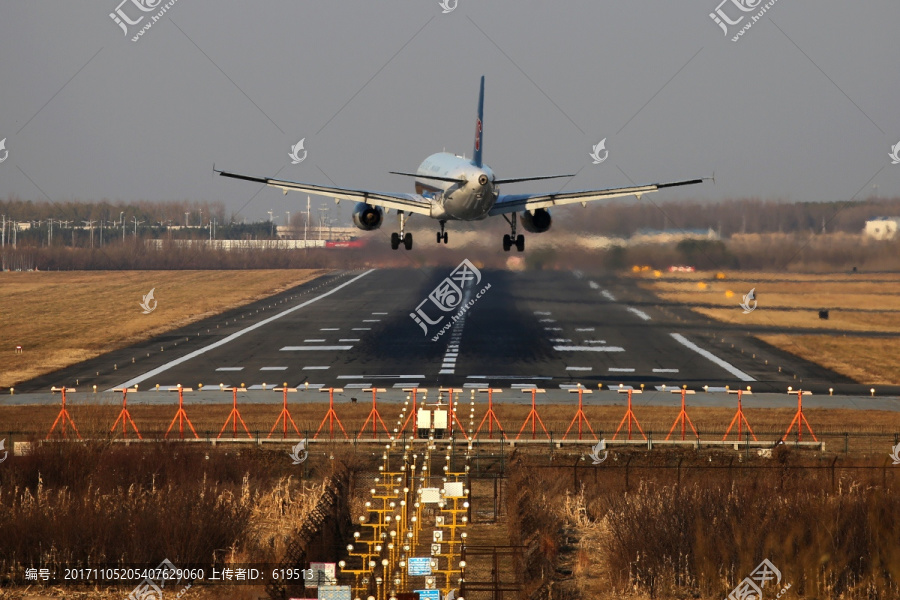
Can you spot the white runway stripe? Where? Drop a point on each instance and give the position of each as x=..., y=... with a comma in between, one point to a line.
x=313, y=348
x=665, y=370
x=608, y=296
x=315, y=368
x=230, y=369
x=348, y=340
x=273, y=369
x=620, y=370
x=638, y=312
x=585, y=329
x=589, y=348
x=579, y=368
x=330, y=329
x=712, y=357
x=314, y=341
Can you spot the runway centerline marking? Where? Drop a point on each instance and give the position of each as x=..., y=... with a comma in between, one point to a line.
x=235, y=335
x=665, y=370
x=608, y=296
x=330, y=329
x=313, y=341
x=712, y=357
x=348, y=340
x=315, y=368
x=230, y=369
x=585, y=329
x=579, y=368
x=620, y=370
x=273, y=369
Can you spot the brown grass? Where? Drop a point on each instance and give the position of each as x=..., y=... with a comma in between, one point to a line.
x=687, y=526
x=61, y=318
x=857, y=303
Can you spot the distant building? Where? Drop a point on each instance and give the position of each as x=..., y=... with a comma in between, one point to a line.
x=882, y=228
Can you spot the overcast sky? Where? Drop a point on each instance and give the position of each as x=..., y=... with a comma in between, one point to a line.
x=803, y=107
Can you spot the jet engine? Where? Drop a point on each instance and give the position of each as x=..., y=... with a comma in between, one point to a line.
x=367, y=217
x=536, y=222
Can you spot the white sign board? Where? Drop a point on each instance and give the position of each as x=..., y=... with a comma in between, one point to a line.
x=419, y=566
x=454, y=489
x=431, y=495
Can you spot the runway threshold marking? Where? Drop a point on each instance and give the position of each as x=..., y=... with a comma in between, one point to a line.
x=608, y=296
x=234, y=336
x=712, y=357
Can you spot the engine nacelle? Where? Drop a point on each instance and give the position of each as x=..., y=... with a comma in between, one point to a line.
x=537, y=222
x=367, y=217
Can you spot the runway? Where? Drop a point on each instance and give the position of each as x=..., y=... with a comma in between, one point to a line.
x=551, y=329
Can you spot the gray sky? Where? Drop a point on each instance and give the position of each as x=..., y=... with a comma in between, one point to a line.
x=802, y=107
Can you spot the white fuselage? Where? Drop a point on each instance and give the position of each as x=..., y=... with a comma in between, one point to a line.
x=469, y=201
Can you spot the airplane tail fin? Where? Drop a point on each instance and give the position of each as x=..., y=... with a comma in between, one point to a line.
x=476, y=154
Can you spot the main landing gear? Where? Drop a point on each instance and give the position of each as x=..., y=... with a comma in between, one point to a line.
x=401, y=238
x=442, y=235
x=511, y=239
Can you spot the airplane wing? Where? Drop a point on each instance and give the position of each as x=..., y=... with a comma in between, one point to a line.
x=411, y=203
x=507, y=203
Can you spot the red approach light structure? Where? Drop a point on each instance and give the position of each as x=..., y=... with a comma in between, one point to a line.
x=490, y=416
x=235, y=415
x=331, y=415
x=580, y=417
x=63, y=417
x=181, y=415
x=629, y=416
x=285, y=415
x=124, y=415
x=533, y=415
x=800, y=420
x=374, y=415
x=683, y=417
x=740, y=419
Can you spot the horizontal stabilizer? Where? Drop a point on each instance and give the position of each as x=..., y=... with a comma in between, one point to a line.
x=451, y=179
x=518, y=179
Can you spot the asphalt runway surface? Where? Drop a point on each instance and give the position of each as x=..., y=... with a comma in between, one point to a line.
x=550, y=329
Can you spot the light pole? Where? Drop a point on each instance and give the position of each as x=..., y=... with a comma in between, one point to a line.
x=136, y=223
x=186, y=215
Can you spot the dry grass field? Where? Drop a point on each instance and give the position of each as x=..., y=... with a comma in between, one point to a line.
x=61, y=318
x=857, y=303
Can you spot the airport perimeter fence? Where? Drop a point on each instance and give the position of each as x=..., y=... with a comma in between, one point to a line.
x=18, y=442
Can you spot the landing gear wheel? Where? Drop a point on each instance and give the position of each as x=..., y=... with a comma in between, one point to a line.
x=445, y=237
x=520, y=243
x=439, y=237
x=407, y=241
x=395, y=241
x=507, y=242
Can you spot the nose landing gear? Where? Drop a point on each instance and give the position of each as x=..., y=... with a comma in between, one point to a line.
x=442, y=235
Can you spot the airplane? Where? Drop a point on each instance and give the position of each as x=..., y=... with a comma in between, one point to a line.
x=450, y=187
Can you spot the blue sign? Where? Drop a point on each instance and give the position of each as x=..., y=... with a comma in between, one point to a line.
x=429, y=594
x=420, y=566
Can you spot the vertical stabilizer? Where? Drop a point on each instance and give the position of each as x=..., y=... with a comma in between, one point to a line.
x=476, y=154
